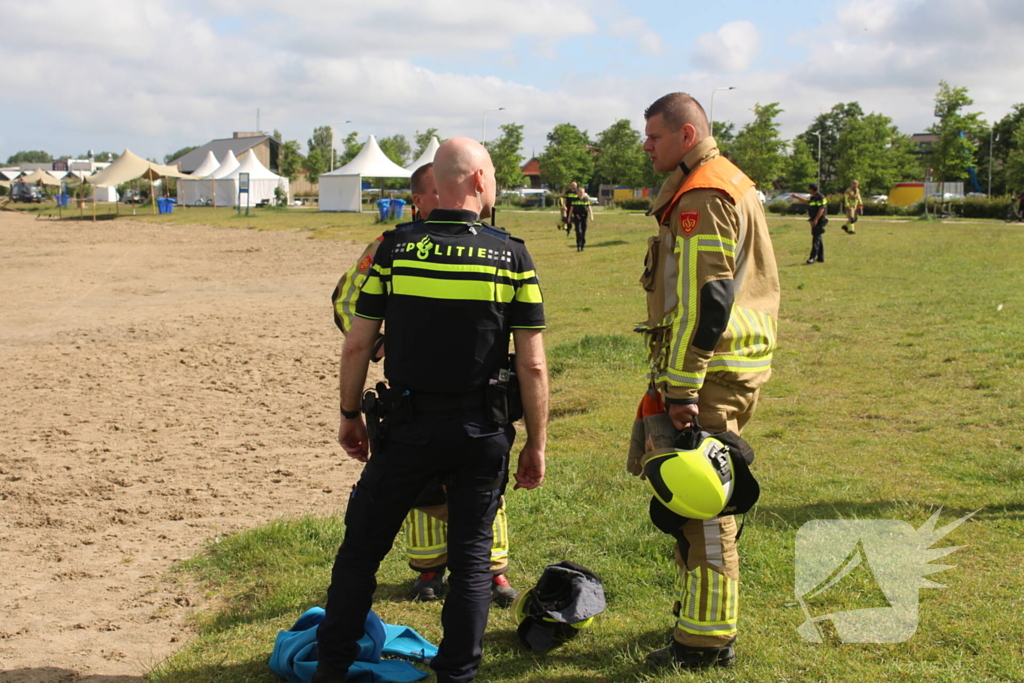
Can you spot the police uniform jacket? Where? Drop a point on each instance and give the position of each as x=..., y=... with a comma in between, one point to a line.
x=449, y=289
x=711, y=280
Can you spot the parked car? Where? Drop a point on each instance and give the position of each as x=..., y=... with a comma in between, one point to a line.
x=24, y=192
x=879, y=198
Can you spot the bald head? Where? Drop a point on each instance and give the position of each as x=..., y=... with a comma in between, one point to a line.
x=676, y=110
x=465, y=176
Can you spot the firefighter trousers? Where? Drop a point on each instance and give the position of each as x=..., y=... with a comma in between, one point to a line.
x=708, y=566
x=426, y=539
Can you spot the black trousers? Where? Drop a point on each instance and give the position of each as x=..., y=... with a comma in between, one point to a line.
x=471, y=459
x=817, y=245
x=580, y=224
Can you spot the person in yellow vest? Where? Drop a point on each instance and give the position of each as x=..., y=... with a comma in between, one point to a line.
x=712, y=290
x=426, y=526
x=852, y=205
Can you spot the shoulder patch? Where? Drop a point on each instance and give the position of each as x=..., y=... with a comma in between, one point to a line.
x=688, y=221
x=365, y=263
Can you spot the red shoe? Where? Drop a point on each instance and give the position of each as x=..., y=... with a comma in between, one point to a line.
x=502, y=594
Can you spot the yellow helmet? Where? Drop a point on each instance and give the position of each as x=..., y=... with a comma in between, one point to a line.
x=705, y=476
x=566, y=600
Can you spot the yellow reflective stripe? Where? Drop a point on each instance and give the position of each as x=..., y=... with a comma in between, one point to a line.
x=499, y=546
x=710, y=603
x=529, y=294
x=719, y=244
x=447, y=267
x=686, y=294
x=426, y=537
x=680, y=378
x=373, y=286
x=525, y=275
x=465, y=290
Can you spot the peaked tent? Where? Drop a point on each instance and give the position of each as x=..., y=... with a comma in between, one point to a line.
x=209, y=165
x=427, y=156
x=190, y=190
x=342, y=189
x=226, y=167
x=262, y=182
x=202, y=192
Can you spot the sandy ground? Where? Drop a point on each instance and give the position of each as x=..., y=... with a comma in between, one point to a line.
x=162, y=385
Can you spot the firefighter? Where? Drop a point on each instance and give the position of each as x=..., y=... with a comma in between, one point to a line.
x=426, y=527
x=853, y=205
x=451, y=290
x=712, y=300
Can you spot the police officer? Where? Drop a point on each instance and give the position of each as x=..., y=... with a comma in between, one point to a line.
x=426, y=527
x=581, y=211
x=567, y=199
x=450, y=289
x=816, y=207
x=712, y=301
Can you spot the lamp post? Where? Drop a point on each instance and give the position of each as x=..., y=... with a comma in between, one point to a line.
x=711, y=123
x=483, y=123
x=991, y=131
x=332, y=142
x=814, y=132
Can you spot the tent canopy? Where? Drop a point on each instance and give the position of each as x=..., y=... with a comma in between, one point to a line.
x=251, y=164
x=130, y=166
x=209, y=165
x=372, y=163
x=229, y=164
x=427, y=156
x=38, y=176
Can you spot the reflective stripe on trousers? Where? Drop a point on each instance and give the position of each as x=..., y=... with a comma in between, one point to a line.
x=426, y=535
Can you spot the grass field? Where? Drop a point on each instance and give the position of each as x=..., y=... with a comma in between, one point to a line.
x=898, y=389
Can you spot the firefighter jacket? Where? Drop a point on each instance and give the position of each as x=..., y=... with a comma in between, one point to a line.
x=711, y=280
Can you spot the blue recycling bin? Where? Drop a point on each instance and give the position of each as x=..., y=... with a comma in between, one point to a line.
x=169, y=203
x=62, y=200
x=396, y=207
x=382, y=207
x=161, y=205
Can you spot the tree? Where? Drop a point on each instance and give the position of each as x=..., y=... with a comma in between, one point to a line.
x=800, y=168
x=351, y=149
x=758, y=147
x=423, y=140
x=567, y=157
x=316, y=165
x=1014, y=164
x=953, y=152
x=724, y=133
x=289, y=159
x=29, y=157
x=873, y=151
x=168, y=158
x=829, y=125
x=322, y=142
x=505, y=153
x=621, y=158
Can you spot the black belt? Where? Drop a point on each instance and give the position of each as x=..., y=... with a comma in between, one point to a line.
x=436, y=402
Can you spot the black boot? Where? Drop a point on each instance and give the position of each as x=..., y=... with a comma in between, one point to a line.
x=684, y=657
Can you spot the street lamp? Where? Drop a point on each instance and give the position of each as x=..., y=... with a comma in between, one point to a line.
x=814, y=132
x=711, y=123
x=483, y=123
x=332, y=142
x=991, y=131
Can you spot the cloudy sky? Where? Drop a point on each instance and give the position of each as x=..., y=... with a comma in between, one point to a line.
x=156, y=75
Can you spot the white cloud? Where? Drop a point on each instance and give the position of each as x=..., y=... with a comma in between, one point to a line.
x=647, y=41
x=731, y=48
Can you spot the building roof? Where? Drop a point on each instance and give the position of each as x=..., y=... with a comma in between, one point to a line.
x=239, y=146
x=531, y=167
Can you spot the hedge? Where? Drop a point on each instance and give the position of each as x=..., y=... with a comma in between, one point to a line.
x=967, y=207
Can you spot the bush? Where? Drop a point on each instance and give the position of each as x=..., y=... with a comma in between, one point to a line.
x=280, y=196
x=635, y=204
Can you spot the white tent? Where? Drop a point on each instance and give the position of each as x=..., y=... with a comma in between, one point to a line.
x=190, y=190
x=427, y=156
x=341, y=190
x=209, y=165
x=194, y=191
x=262, y=182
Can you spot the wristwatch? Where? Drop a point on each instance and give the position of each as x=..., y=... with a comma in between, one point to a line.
x=349, y=414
